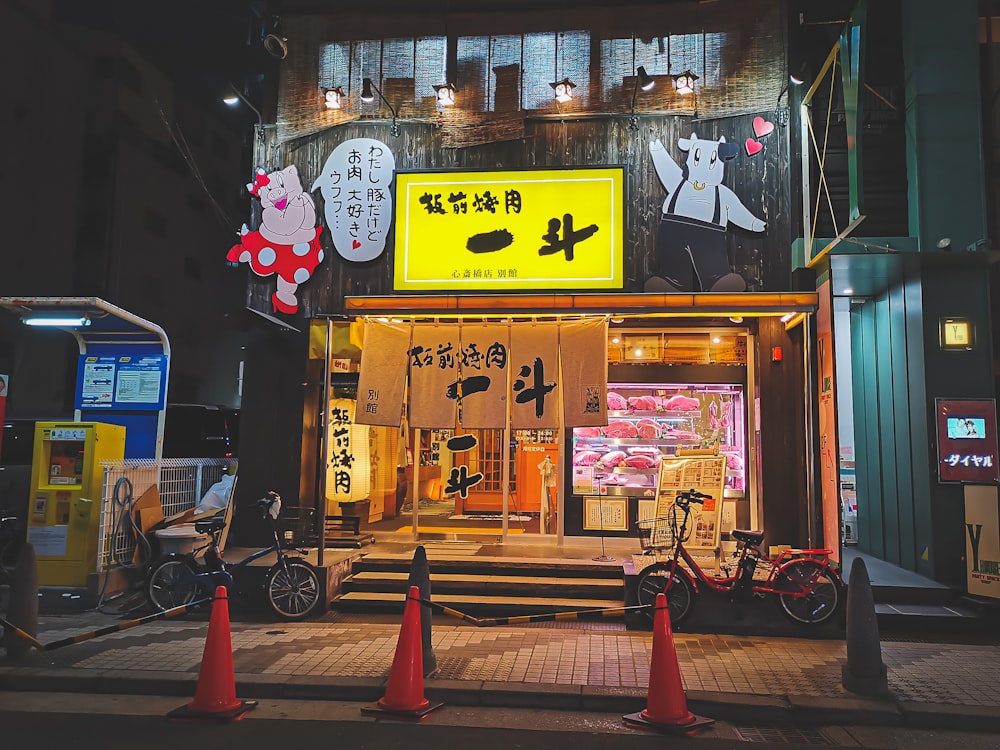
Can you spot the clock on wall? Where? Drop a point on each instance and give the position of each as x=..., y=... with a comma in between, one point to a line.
x=957, y=333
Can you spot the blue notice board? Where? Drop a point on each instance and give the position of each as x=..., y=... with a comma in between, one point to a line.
x=121, y=382
x=126, y=386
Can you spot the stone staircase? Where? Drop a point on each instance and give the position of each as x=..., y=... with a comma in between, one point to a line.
x=485, y=586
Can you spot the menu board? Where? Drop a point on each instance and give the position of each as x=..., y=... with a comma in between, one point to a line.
x=704, y=474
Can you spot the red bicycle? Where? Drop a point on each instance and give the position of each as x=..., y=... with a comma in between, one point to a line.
x=808, y=588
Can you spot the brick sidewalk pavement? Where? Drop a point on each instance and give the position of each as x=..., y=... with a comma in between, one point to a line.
x=535, y=662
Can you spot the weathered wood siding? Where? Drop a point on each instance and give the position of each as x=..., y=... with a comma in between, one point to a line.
x=761, y=181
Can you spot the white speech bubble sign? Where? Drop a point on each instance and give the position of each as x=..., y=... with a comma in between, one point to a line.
x=355, y=183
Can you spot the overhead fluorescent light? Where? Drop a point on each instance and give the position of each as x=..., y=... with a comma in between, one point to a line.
x=53, y=321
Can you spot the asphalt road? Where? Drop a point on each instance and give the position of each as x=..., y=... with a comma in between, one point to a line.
x=45, y=720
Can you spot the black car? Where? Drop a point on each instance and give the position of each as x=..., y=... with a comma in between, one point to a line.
x=200, y=431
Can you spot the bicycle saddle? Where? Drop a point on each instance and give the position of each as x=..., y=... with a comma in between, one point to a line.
x=753, y=538
x=210, y=525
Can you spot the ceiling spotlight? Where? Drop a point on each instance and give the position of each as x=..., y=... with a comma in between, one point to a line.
x=366, y=90
x=563, y=90
x=798, y=76
x=276, y=46
x=643, y=79
x=644, y=82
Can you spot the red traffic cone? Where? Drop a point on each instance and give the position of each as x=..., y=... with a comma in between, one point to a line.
x=215, y=697
x=666, y=706
x=404, y=692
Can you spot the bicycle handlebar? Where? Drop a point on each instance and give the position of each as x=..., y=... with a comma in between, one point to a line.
x=270, y=499
x=685, y=497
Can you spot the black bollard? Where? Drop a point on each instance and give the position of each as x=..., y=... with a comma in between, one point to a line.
x=865, y=672
x=420, y=576
x=22, y=608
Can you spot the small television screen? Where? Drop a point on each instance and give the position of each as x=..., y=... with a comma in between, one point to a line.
x=966, y=427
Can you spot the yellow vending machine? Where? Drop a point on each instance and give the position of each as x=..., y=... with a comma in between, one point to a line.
x=66, y=489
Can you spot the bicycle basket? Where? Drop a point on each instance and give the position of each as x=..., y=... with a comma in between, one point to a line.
x=296, y=526
x=656, y=533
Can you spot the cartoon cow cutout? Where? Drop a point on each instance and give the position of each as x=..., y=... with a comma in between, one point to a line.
x=691, y=239
x=287, y=242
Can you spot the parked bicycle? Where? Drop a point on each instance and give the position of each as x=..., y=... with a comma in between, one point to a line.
x=291, y=585
x=808, y=588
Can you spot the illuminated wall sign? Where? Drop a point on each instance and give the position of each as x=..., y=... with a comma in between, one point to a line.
x=532, y=229
x=967, y=441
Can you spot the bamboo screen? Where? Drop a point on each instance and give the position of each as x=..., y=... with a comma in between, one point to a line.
x=735, y=47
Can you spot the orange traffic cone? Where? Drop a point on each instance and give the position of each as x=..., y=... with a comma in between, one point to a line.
x=666, y=706
x=404, y=692
x=215, y=697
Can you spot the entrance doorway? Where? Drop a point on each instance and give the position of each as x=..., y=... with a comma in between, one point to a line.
x=510, y=484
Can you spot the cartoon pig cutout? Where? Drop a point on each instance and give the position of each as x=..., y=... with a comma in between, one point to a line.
x=691, y=239
x=287, y=242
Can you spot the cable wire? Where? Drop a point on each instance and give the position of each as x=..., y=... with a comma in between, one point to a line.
x=125, y=536
x=177, y=136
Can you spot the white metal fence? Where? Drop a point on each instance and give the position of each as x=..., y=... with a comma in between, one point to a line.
x=182, y=482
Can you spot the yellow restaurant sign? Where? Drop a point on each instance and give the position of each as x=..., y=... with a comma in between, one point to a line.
x=531, y=229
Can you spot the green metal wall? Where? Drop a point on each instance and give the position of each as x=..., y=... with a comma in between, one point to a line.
x=905, y=516
x=953, y=292
x=889, y=419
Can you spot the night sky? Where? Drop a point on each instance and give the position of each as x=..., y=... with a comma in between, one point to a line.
x=201, y=44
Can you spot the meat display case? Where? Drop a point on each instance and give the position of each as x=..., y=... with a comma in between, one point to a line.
x=647, y=421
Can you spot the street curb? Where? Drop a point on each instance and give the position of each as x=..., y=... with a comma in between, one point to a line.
x=735, y=708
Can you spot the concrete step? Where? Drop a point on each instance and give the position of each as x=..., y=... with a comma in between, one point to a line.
x=510, y=566
x=471, y=604
x=494, y=585
x=486, y=586
x=956, y=617
x=936, y=595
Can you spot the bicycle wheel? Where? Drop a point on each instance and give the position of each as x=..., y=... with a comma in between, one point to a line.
x=172, y=582
x=292, y=592
x=680, y=596
x=823, y=597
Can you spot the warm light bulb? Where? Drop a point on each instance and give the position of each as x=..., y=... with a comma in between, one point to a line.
x=333, y=98
x=615, y=340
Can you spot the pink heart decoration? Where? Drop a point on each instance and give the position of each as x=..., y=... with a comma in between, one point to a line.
x=762, y=127
x=355, y=245
x=753, y=147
